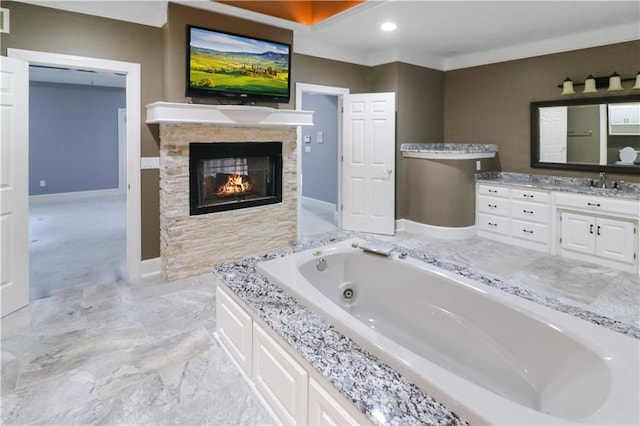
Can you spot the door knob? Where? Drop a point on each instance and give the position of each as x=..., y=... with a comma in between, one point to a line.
x=389, y=171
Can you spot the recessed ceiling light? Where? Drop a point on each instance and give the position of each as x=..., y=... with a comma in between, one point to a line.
x=388, y=26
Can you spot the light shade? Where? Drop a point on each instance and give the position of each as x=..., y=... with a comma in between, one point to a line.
x=614, y=83
x=567, y=87
x=590, y=85
x=637, y=85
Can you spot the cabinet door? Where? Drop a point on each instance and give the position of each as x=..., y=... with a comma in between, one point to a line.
x=578, y=233
x=279, y=379
x=615, y=240
x=234, y=329
x=324, y=409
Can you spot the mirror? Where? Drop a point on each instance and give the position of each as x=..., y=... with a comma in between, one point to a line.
x=590, y=134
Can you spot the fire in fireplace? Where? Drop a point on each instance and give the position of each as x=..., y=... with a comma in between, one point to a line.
x=228, y=176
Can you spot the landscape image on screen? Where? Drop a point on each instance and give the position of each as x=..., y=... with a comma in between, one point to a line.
x=235, y=64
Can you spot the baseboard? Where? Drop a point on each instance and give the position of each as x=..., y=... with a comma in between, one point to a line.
x=319, y=203
x=150, y=268
x=442, y=232
x=78, y=195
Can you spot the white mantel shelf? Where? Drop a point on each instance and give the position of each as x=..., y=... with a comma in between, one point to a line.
x=231, y=115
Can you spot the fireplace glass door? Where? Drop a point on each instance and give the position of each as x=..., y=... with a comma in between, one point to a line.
x=227, y=176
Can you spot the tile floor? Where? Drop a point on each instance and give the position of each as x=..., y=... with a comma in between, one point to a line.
x=124, y=353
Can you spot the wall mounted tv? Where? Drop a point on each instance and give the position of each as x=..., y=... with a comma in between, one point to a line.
x=226, y=65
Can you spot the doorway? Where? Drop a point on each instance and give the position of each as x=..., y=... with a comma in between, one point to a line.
x=319, y=151
x=77, y=178
x=131, y=71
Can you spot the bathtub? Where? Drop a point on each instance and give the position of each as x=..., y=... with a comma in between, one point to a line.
x=489, y=356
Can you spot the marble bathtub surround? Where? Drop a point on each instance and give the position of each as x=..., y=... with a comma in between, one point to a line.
x=352, y=370
x=558, y=183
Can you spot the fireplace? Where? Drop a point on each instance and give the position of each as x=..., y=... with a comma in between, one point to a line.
x=228, y=176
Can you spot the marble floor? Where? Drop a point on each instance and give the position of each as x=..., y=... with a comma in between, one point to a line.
x=145, y=353
x=316, y=219
x=75, y=242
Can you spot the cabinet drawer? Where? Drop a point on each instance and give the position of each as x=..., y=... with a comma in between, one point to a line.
x=530, y=195
x=531, y=212
x=234, y=327
x=494, y=191
x=493, y=205
x=279, y=379
x=324, y=409
x=497, y=224
x=530, y=231
x=629, y=208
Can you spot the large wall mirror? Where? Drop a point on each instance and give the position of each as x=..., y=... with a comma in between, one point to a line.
x=591, y=134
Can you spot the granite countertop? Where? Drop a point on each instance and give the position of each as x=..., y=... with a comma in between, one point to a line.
x=450, y=151
x=382, y=394
x=557, y=183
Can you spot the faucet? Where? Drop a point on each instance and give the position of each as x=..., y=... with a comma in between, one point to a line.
x=602, y=182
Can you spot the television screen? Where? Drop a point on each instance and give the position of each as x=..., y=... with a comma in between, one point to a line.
x=228, y=65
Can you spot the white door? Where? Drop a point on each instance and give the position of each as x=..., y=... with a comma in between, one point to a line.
x=578, y=233
x=615, y=240
x=14, y=181
x=553, y=134
x=368, y=163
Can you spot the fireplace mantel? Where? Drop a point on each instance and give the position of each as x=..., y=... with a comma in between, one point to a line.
x=231, y=115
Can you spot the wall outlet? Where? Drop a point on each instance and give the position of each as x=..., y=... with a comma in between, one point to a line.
x=307, y=149
x=307, y=138
x=43, y=183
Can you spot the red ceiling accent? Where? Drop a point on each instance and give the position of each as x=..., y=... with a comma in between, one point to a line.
x=307, y=12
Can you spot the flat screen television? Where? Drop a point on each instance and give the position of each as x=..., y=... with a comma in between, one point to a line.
x=221, y=64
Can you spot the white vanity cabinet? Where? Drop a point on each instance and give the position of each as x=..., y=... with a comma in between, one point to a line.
x=602, y=230
x=283, y=378
x=592, y=228
x=516, y=216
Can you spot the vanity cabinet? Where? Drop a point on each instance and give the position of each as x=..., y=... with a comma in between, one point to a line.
x=598, y=236
x=592, y=228
x=514, y=216
x=602, y=230
x=292, y=388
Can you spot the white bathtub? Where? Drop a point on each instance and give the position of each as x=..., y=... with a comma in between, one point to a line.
x=489, y=356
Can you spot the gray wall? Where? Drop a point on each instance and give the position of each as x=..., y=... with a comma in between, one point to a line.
x=73, y=137
x=320, y=166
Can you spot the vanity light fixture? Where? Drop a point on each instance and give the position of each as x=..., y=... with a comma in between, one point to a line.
x=590, y=85
x=615, y=83
x=567, y=87
x=612, y=83
x=388, y=26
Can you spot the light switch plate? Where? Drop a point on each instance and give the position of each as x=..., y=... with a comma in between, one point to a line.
x=320, y=137
x=307, y=139
x=150, y=163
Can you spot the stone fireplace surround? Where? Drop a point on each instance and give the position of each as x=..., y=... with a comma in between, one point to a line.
x=191, y=245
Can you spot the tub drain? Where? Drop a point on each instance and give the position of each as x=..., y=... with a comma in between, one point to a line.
x=347, y=294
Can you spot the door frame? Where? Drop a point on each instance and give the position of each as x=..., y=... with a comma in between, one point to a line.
x=133, y=107
x=122, y=153
x=339, y=92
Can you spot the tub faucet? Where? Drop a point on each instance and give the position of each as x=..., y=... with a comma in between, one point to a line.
x=602, y=182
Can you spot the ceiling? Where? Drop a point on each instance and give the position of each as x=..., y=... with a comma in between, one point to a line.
x=443, y=35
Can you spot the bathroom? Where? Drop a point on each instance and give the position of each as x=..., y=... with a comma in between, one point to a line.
x=482, y=102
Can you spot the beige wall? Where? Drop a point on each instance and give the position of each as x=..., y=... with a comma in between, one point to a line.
x=490, y=103
x=50, y=30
